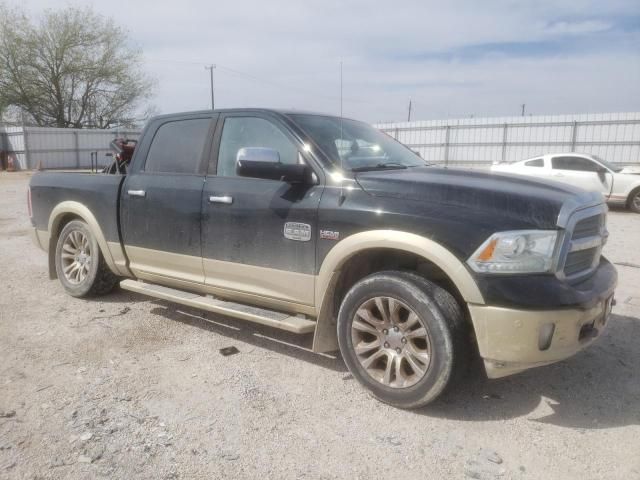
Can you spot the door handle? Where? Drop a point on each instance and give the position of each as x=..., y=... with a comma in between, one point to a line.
x=137, y=193
x=558, y=175
x=226, y=199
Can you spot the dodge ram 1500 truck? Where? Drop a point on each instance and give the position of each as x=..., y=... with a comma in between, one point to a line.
x=318, y=224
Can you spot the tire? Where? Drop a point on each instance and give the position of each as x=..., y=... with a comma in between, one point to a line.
x=634, y=201
x=438, y=313
x=80, y=265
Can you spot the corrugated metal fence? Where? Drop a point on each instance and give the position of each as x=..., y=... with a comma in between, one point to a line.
x=477, y=142
x=470, y=142
x=58, y=147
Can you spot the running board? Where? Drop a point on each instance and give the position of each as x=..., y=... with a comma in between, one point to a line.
x=272, y=318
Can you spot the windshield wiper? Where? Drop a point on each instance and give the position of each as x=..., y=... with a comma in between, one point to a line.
x=380, y=166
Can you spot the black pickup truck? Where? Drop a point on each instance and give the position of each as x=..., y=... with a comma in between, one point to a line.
x=318, y=224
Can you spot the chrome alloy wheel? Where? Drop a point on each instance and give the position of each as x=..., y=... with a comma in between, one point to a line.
x=76, y=257
x=636, y=201
x=391, y=342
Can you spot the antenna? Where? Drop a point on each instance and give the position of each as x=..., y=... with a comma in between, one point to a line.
x=409, y=115
x=342, y=197
x=339, y=155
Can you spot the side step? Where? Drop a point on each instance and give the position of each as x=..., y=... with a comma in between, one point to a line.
x=272, y=318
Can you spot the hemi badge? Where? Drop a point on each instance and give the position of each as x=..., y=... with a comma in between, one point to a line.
x=300, y=232
x=329, y=234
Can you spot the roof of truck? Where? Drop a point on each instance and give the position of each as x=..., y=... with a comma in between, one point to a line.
x=246, y=109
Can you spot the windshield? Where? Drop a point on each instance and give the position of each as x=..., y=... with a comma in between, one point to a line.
x=355, y=145
x=608, y=165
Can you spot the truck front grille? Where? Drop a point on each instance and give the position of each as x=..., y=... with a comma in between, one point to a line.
x=580, y=261
x=585, y=243
x=588, y=227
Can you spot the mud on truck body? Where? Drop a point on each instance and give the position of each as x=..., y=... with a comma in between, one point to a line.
x=322, y=225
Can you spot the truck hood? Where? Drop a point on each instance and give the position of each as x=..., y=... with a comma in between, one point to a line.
x=632, y=169
x=535, y=203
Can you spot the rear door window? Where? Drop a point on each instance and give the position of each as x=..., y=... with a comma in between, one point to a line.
x=177, y=147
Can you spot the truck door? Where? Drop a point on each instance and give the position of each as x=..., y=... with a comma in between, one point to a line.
x=258, y=236
x=581, y=172
x=161, y=200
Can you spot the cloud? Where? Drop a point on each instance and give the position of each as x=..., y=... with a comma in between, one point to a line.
x=577, y=28
x=453, y=58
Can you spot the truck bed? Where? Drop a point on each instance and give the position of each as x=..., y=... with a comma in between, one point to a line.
x=96, y=191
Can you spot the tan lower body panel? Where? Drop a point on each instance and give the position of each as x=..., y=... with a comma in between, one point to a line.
x=117, y=253
x=271, y=318
x=271, y=288
x=509, y=340
x=268, y=282
x=235, y=296
x=164, y=264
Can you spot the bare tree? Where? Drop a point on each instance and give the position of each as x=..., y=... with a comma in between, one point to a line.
x=72, y=68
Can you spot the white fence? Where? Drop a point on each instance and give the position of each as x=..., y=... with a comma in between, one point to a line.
x=470, y=142
x=58, y=147
x=477, y=142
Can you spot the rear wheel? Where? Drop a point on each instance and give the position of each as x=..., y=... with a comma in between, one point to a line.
x=402, y=337
x=80, y=265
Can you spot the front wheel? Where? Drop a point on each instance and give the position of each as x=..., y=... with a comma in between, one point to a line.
x=634, y=201
x=402, y=337
x=80, y=265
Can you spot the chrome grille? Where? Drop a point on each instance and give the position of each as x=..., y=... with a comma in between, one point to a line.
x=589, y=227
x=579, y=261
x=586, y=235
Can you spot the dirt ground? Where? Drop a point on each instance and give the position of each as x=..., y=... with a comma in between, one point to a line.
x=128, y=387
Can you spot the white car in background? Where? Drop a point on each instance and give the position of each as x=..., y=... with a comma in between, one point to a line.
x=619, y=185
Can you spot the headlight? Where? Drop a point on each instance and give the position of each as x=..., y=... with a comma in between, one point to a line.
x=518, y=251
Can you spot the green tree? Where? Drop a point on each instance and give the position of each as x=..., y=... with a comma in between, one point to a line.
x=72, y=68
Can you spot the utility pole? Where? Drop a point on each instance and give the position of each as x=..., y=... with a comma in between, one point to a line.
x=210, y=68
x=341, y=99
x=523, y=105
x=409, y=115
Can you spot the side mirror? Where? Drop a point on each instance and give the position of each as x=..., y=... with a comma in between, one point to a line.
x=259, y=162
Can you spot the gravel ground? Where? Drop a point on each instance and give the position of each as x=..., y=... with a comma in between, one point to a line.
x=124, y=386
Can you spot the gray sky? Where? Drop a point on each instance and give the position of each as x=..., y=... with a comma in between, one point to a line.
x=452, y=58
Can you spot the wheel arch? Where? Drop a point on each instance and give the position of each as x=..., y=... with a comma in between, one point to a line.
x=382, y=242
x=66, y=212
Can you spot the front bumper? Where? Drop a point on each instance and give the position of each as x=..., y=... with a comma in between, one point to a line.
x=512, y=340
x=548, y=292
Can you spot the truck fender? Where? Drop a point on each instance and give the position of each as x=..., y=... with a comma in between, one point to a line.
x=79, y=210
x=325, y=338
